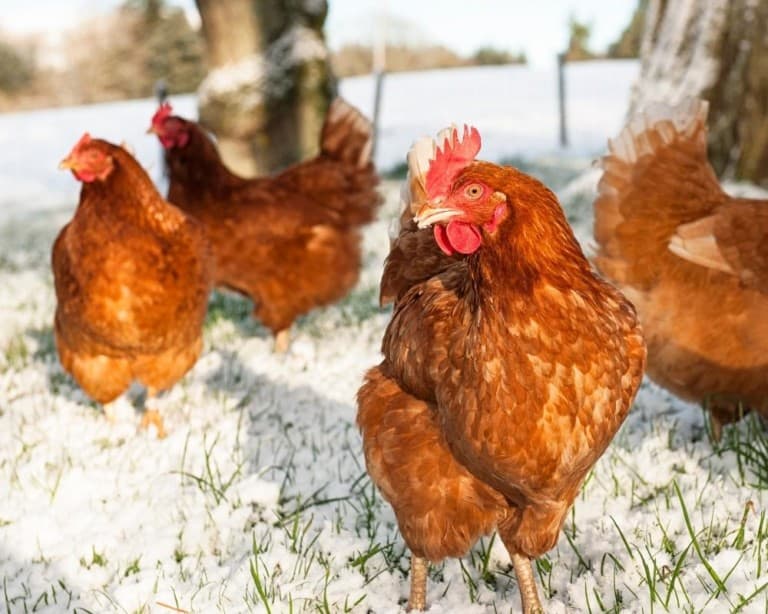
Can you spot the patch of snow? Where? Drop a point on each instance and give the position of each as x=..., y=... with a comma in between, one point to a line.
x=679, y=60
x=261, y=77
x=513, y=107
x=297, y=46
x=247, y=77
x=32, y=143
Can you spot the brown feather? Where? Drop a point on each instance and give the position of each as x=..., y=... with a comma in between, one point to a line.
x=132, y=276
x=693, y=260
x=290, y=242
x=506, y=374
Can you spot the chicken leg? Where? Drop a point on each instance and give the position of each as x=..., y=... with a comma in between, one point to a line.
x=109, y=412
x=282, y=341
x=723, y=410
x=152, y=417
x=526, y=583
x=418, y=598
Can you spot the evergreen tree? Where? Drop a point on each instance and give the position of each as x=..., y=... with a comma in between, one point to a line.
x=578, y=43
x=628, y=44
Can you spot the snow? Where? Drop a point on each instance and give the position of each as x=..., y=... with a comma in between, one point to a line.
x=513, y=107
x=261, y=475
x=260, y=77
x=33, y=143
x=690, y=33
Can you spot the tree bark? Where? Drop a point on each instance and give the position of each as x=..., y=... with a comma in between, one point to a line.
x=270, y=82
x=716, y=50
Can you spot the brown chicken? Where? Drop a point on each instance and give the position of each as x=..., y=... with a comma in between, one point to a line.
x=290, y=242
x=508, y=365
x=132, y=275
x=692, y=259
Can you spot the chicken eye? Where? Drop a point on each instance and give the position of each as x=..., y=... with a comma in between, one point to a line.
x=473, y=191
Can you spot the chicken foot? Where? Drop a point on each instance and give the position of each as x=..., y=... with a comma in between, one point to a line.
x=418, y=597
x=526, y=583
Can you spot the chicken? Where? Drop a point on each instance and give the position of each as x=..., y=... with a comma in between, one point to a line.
x=508, y=365
x=692, y=259
x=132, y=276
x=291, y=242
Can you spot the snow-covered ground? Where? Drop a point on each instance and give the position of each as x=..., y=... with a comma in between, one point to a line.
x=514, y=107
x=258, y=499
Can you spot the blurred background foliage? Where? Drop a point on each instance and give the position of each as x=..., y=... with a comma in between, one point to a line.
x=122, y=56
x=115, y=58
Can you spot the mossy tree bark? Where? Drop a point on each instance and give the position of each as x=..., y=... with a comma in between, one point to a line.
x=270, y=82
x=715, y=49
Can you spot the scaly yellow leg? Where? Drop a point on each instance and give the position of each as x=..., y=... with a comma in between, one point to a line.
x=418, y=598
x=282, y=341
x=109, y=412
x=526, y=583
x=152, y=417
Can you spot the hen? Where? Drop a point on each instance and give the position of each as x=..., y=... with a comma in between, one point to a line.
x=692, y=259
x=132, y=276
x=290, y=242
x=508, y=365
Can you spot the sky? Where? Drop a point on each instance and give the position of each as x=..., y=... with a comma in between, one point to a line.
x=539, y=27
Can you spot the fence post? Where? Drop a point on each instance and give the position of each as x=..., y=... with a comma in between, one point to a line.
x=379, y=69
x=561, y=99
x=378, y=77
x=161, y=94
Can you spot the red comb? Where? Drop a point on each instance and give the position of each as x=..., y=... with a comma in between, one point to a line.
x=163, y=113
x=82, y=143
x=84, y=140
x=454, y=156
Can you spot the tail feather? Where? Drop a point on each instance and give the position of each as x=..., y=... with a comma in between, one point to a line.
x=347, y=141
x=656, y=176
x=347, y=135
x=342, y=178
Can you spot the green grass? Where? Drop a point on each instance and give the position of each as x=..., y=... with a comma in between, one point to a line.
x=56, y=593
x=210, y=478
x=748, y=440
x=16, y=354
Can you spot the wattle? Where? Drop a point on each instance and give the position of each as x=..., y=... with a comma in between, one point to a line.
x=458, y=237
x=84, y=176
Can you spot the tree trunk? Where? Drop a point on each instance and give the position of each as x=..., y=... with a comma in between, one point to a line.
x=270, y=82
x=717, y=50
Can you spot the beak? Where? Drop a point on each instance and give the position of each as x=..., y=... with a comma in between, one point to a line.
x=151, y=130
x=67, y=164
x=430, y=214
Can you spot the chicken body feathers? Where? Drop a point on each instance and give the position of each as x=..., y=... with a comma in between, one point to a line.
x=690, y=257
x=132, y=275
x=291, y=242
x=520, y=381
